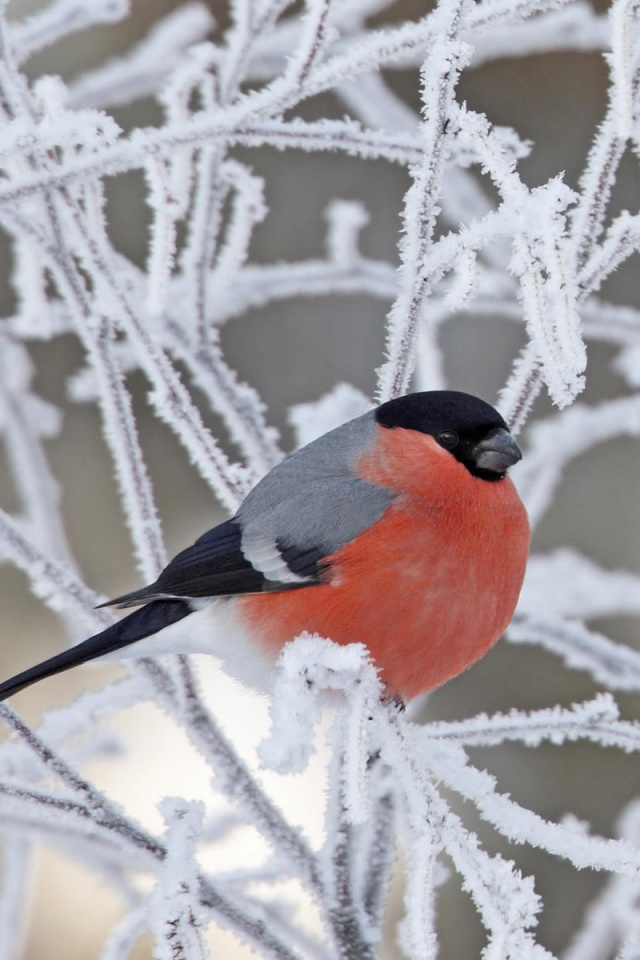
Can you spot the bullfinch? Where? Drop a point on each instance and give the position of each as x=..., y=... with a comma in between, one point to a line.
x=399, y=529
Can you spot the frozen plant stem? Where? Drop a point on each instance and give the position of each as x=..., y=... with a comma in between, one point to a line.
x=233, y=778
x=279, y=78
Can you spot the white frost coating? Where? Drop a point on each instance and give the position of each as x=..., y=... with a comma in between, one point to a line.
x=17, y=855
x=176, y=922
x=555, y=442
x=532, y=257
x=345, y=221
x=450, y=765
x=615, y=665
x=307, y=669
x=447, y=56
x=59, y=19
x=576, y=27
x=571, y=585
x=125, y=935
x=613, y=917
x=142, y=71
x=311, y=420
x=597, y=720
x=248, y=209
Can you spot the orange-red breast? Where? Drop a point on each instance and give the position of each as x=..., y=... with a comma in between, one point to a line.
x=399, y=530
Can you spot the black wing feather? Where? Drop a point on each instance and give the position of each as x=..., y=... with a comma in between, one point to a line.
x=214, y=566
x=306, y=562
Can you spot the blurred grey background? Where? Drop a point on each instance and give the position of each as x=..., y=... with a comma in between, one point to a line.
x=295, y=351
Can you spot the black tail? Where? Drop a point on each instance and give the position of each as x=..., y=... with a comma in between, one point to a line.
x=138, y=625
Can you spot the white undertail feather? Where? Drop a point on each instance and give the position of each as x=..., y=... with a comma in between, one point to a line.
x=215, y=629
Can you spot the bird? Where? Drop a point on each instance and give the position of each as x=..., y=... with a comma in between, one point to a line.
x=399, y=529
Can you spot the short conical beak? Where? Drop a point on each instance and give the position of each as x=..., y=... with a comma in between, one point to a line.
x=497, y=451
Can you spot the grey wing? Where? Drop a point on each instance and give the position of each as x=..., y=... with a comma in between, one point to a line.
x=310, y=505
x=288, y=544
x=304, y=510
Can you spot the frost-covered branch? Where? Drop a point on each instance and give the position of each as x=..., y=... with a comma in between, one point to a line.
x=232, y=104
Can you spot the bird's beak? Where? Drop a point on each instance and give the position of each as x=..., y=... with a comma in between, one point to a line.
x=497, y=451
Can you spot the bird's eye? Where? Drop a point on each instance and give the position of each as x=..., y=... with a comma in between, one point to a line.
x=447, y=438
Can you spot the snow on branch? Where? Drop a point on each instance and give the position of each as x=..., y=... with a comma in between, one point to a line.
x=59, y=19
x=597, y=720
x=143, y=70
x=276, y=79
x=555, y=442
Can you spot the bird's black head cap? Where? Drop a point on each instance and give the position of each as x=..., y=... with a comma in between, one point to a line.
x=470, y=429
